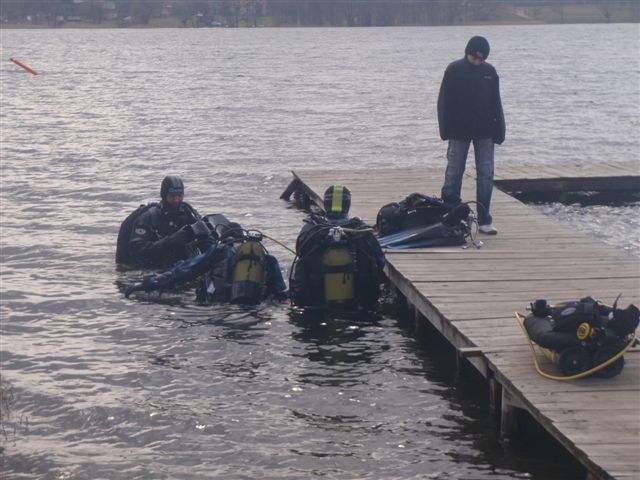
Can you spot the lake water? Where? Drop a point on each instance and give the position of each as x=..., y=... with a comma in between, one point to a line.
x=105, y=387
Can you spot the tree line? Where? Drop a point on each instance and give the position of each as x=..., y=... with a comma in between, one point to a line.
x=298, y=12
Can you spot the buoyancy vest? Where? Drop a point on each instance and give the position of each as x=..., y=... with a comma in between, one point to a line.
x=334, y=269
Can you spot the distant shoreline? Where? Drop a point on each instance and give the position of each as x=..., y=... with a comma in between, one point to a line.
x=113, y=25
x=407, y=14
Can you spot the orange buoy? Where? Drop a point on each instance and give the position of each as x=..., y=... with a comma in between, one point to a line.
x=26, y=67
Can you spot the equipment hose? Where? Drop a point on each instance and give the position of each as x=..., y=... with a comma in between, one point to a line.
x=586, y=373
x=279, y=243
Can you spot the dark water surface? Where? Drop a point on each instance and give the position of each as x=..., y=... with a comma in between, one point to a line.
x=105, y=387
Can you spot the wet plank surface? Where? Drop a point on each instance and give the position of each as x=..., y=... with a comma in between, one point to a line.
x=471, y=295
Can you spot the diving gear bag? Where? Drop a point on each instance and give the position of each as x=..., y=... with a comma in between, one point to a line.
x=452, y=229
x=413, y=211
x=124, y=234
x=583, y=334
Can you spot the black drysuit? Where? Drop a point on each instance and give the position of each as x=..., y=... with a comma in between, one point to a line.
x=158, y=237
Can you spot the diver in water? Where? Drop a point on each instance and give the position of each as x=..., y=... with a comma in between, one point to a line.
x=160, y=234
x=339, y=263
x=235, y=267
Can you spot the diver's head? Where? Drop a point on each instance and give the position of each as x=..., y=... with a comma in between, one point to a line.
x=172, y=191
x=337, y=201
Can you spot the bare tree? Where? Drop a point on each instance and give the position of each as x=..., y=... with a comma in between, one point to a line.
x=92, y=10
x=560, y=8
x=143, y=10
x=52, y=11
x=607, y=8
x=123, y=8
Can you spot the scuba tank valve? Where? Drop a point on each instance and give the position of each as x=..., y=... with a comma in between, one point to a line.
x=336, y=234
x=255, y=235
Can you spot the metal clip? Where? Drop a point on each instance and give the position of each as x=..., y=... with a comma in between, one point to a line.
x=336, y=234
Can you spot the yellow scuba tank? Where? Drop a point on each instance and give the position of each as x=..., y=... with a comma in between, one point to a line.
x=338, y=273
x=571, y=360
x=248, y=273
x=338, y=276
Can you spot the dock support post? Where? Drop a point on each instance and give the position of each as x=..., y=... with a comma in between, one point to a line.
x=420, y=322
x=495, y=392
x=466, y=353
x=509, y=414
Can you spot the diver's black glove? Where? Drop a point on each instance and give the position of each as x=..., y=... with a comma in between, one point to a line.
x=200, y=230
x=182, y=236
x=136, y=287
x=148, y=284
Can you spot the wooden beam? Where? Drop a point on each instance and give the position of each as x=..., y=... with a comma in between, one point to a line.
x=575, y=184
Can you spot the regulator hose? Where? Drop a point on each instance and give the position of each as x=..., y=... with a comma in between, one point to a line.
x=279, y=243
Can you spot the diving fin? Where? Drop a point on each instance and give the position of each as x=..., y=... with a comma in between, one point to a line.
x=400, y=236
x=439, y=231
x=429, y=242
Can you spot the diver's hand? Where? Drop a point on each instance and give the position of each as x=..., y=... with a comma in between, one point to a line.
x=200, y=230
x=147, y=285
x=136, y=287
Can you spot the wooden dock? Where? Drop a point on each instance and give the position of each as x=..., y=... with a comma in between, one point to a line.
x=470, y=295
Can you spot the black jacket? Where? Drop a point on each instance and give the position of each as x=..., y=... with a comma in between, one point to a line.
x=158, y=238
x=469, y=104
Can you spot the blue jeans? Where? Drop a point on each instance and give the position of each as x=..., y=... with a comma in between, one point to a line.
x=456, y=163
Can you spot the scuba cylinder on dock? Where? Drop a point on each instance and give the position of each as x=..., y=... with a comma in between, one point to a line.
x=583, y=335
x=570, y=360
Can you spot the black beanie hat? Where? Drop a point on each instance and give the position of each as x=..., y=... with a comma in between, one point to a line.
x=478, y=46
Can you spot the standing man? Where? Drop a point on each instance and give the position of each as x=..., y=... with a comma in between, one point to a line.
x=470, y=110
